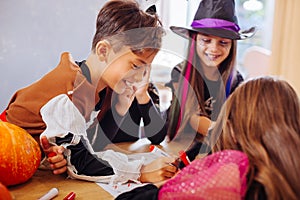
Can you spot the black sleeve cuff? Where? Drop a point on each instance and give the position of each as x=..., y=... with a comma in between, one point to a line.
x=147, y=192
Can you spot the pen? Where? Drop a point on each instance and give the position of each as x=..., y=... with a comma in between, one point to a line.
x=70, y=196
x=184, y=158
x=49, y=195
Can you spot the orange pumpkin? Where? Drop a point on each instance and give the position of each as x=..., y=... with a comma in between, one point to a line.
x=4, y=193
x=20, y=154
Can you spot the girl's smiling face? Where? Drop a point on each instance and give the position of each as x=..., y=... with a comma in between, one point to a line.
x=212, y=50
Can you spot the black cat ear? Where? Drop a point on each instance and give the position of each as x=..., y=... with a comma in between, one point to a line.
x=151, y=10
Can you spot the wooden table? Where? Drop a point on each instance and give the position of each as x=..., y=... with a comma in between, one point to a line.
x=43, y=180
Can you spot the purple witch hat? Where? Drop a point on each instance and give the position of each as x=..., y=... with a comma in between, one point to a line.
x=216, y=17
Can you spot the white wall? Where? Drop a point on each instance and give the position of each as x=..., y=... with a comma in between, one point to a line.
x=33, y=34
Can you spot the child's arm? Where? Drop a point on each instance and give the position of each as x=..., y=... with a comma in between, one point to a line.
x=200, y=123
x=154, y=121
x=155, y=126
x=110, y=165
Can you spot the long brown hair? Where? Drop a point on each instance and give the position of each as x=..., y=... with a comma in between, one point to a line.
x=262, y=119
x=195, y=99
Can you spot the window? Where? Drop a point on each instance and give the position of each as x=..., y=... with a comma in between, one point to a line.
x=181, y=13
x=262, y=19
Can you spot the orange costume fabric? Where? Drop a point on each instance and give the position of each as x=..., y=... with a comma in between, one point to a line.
x=67, y=78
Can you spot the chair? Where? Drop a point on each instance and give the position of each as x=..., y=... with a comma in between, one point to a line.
x=256, y=62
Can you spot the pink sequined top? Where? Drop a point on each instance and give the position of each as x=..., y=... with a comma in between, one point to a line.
x=221, y=175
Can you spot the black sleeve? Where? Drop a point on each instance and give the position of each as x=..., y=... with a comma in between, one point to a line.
x=85, y=162
x=129, y=128
x=108, y=128
x=147, y=192
x=154, y=122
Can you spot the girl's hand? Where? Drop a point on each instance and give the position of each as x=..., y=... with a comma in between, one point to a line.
x=55, y=155
x=159, y=170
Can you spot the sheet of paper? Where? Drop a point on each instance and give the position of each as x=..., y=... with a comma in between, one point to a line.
x=149, y=156
x=118, y=189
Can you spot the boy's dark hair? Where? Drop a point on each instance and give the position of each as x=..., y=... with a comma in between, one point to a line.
x=123, y=23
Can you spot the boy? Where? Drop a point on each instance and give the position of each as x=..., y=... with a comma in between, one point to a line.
x=67, y=102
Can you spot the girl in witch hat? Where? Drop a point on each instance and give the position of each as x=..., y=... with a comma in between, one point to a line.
x=209, y=75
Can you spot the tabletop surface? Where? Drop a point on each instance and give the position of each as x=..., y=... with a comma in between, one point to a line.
x=43, y=180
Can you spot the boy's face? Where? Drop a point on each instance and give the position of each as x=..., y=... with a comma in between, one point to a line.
x=126, y=70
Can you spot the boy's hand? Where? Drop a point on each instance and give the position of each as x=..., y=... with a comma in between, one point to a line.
x=142, y=94
x=57, y=161
x=125, y=100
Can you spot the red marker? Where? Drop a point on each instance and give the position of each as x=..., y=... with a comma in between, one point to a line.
x=51, y=154
x=70, y=196
x=186, y=161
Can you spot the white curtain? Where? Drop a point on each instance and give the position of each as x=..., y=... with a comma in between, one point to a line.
x=285, y=60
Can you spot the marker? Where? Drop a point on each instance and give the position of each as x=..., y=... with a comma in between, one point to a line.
x=51, y=154
x=70, y=196
x=184, y=158
x=49, y=195
x=158, y=151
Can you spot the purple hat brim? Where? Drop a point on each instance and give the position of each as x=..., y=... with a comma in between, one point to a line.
x=185, y=32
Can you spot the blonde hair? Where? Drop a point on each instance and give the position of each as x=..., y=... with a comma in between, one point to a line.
x=261, y=118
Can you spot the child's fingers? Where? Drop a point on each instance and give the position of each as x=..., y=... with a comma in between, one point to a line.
x=171, y=168
x=51, y=154
x=57, y=161
x=168, y=160
x=45, y=143
x=59, y=149
x=60, y=170
x=167, y=174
